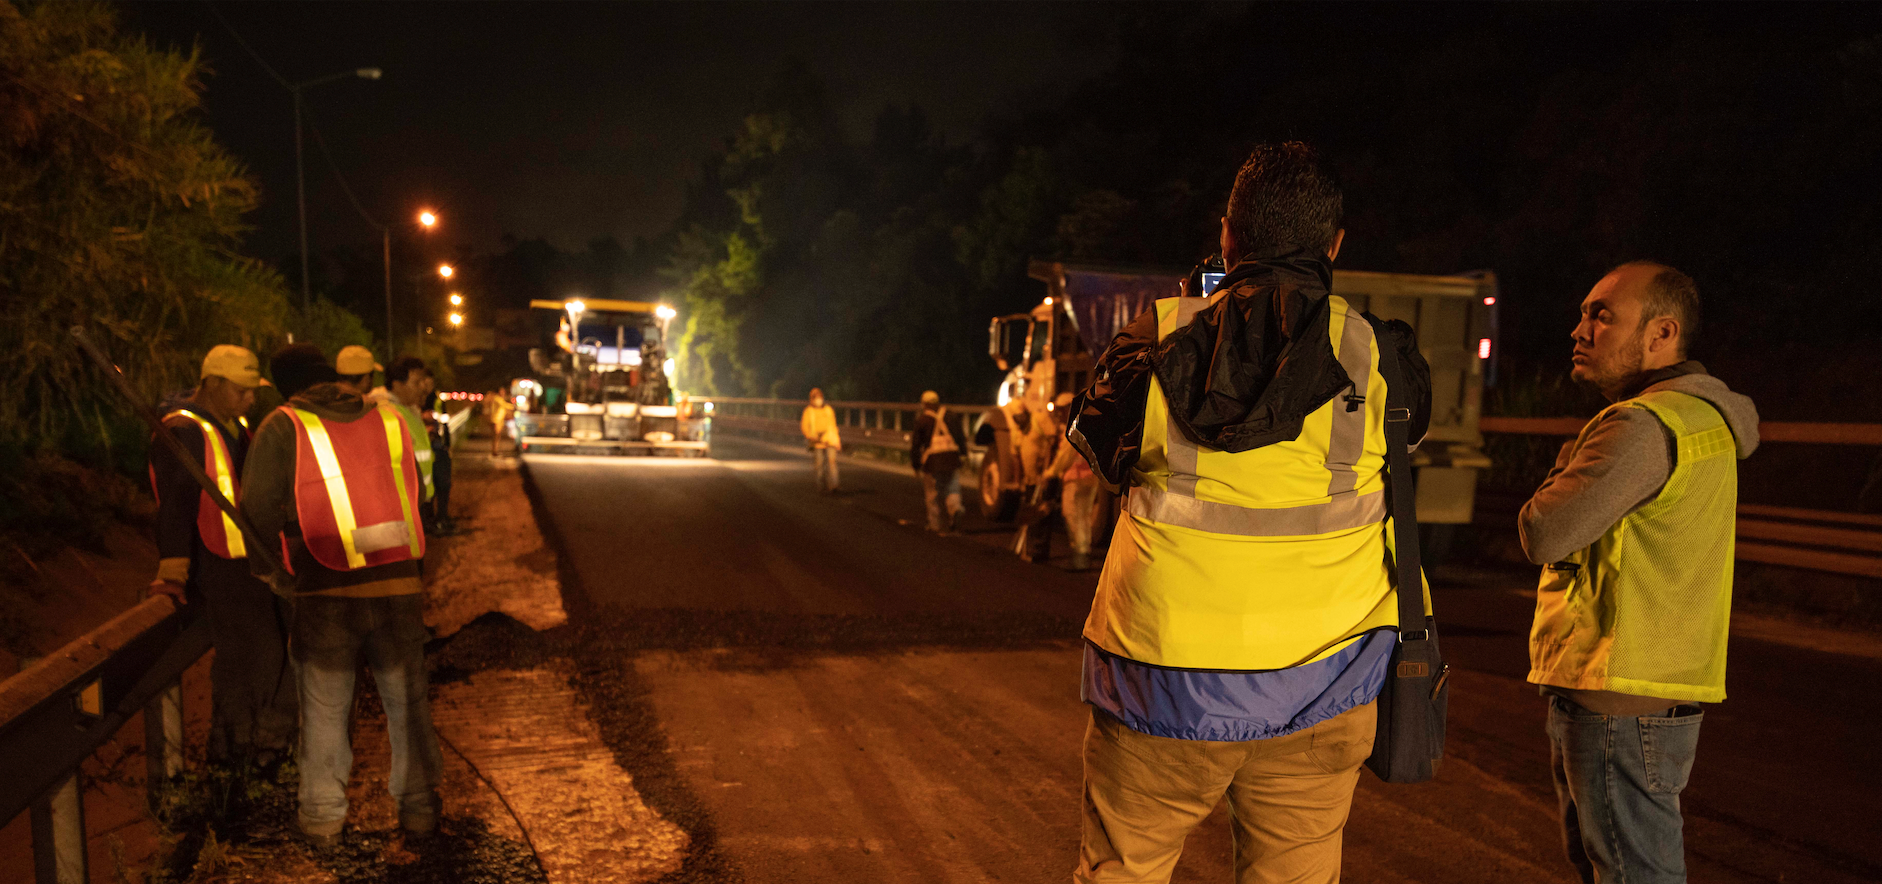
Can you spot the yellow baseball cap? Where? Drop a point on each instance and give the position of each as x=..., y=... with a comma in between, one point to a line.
x=237, y=364
x=355, y=360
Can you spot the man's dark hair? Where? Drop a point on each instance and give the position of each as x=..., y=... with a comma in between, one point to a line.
x=1671, y=293
x=399, y=371
x=299, y=366
x=357, y=380
x=1284, y=196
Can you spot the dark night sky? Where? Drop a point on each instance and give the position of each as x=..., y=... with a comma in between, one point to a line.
x=576, y=120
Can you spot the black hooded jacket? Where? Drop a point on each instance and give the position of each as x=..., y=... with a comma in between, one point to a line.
x=1245, y=373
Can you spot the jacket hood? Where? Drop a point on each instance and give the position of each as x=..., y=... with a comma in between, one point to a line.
x=332, y=402
x=1740, y=414
x=1248, y=370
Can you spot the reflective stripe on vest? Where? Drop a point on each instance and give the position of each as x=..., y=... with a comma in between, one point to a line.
x=358, y=546
x=1258, y=560
x=218, y=532
x=1344, y=509
x=1646, y=608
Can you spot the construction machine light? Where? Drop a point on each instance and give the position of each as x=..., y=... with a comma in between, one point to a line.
x=665, y=312
x=1489, y=302
x=1048, y=302
x=575, y=307
x=1483, y=348
x=667, y=367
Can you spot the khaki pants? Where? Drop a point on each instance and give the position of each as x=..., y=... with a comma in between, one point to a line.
x=1288, y=799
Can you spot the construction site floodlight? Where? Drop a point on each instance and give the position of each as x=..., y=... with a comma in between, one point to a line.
x=665, y=312
x=576, y=307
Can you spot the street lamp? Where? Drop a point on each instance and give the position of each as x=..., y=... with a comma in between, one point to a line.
x=457, y=319
x=427, y=220
x=300, y=165
x=445, y=270
x=457, y=300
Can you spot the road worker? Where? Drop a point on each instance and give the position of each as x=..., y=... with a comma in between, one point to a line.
x=1634, y=527
x=820, y=436
x=1078, y=491
x=336, y=480
x=203, y=559
x=408, y=383
x=1244, y=620
x=497, y=409
x=935, y=452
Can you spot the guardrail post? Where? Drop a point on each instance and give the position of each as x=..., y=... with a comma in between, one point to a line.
x=59, y=834
x=163, y=741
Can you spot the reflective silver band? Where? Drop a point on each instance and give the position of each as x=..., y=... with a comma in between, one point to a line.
x=1343, y=513
x=1179, y=451
x=1347, y=441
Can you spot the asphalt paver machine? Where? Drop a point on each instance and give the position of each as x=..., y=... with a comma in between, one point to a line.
x=605, y=387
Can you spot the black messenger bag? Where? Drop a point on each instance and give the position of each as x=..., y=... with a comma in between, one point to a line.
x=1410, y=740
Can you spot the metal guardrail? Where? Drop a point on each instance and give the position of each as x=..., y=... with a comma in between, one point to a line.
x=59, y=710
x=1817, y=540
x=880, y=425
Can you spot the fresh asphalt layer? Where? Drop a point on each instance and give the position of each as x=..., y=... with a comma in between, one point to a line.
x=815, y=689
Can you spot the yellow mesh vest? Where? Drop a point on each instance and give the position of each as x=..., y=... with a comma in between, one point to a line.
x=1645, y=610
x=1258, y=560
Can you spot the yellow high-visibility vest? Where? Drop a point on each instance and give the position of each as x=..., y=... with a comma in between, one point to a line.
x=1646, y=609
x=1263, y=559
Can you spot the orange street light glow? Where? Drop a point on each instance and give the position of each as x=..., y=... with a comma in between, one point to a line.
x=427, y=219
x=457, y=300
x=457, y=319
x=445, y=271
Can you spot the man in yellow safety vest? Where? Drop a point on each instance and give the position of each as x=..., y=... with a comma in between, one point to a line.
x=1245, y=618
x=203, y=560
x=335, y=480
x=1634, y=527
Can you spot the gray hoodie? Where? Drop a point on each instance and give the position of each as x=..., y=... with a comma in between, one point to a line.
x=1627, y=459
x=1624, y=463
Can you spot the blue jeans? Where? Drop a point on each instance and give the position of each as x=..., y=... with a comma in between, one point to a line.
x=331, y=635
x=1618, y=778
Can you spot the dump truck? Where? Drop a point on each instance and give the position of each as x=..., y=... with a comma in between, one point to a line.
x=605, y=386
x=1053, y=348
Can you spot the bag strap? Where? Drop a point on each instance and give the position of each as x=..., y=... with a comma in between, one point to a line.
x=1398, y=415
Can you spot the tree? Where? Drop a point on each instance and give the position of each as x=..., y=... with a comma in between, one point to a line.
x=118, y=212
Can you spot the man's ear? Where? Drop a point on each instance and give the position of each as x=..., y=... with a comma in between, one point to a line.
x=1663, y=335
x=1227, y=242
x=1333, y=251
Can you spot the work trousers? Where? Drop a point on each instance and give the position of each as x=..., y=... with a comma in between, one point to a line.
x=826, y=468
x=942, y=496
x=1618, y=779
x=332, y=635
x=251, y=687
x=1288, y=799
x=1075, y=502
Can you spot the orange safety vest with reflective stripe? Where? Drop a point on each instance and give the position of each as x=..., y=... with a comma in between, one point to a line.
x=356, y=490
x=217, y=530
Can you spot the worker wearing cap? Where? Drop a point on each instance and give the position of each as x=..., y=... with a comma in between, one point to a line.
x=408, y=383
x=202, y=561
x=334, y=480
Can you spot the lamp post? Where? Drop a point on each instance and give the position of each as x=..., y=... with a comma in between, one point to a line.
x=300, y=166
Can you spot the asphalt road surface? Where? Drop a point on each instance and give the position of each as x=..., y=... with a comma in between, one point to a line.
x=818, y=690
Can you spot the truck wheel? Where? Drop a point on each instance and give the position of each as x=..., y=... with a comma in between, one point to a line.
x=996, y=504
